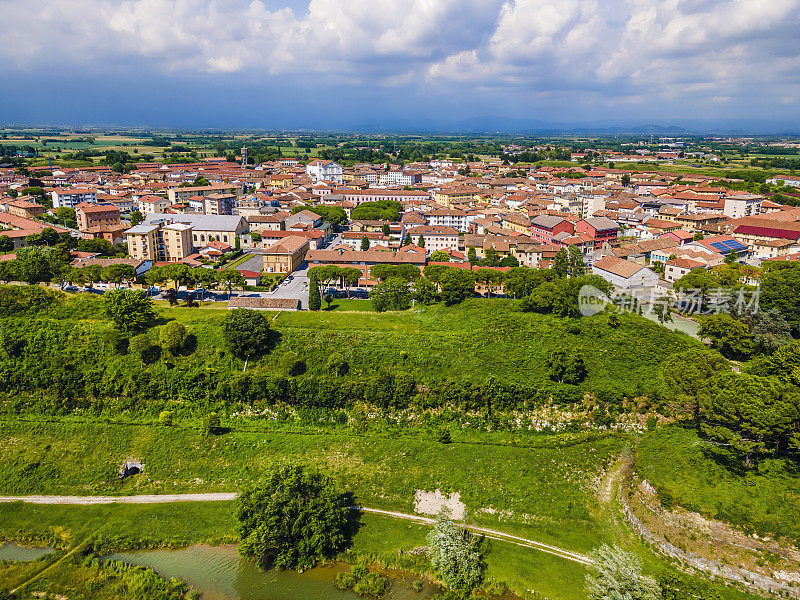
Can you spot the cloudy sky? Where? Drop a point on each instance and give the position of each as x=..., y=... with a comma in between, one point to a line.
x=395, y=63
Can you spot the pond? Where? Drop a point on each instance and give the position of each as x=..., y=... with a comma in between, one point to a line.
x=219, y=573
x=17, y=553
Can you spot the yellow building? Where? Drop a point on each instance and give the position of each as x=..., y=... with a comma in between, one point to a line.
x=286, y=255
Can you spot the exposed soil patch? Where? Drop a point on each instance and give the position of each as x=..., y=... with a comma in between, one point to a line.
x=430, y=503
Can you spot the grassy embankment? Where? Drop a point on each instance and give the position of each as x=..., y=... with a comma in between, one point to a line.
x=545, y=486
x=467, y=344
x=689, y=472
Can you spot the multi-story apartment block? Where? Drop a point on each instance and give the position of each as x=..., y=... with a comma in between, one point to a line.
x=96, y=215
x=325, y=170
x=71, y=197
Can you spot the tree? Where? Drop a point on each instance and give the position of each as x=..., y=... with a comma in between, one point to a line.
x=129, y=309
x=391, y=294
x=697, y=281
x=779, y=286
x=749, y=415
x=685, y=374
x=421, y=241
x=34, y=265
x=136, y=218
x=328, y=299
x=521, y=281
x=247, y=333
x=211, y=424
x=439, y=256
x=577, y=266
x=118, y=273
x=509, y=260
x=489, y=278
x=350, y=277
x=386, y=230
x=729, y=336
x=491, y=259
x=407, y=240
x=561, y=263
x=231, y=278
x=566, y=367
x=457, y=285
x=364, y=243
x=139, y=345
x=6, y=244
x=472, y=256
x=424, y=291
x=662, y=308
x=617, y=575
x=453, y=552
x=337, y=364
x=172, y=337
x=294, y=518
x=314, y=299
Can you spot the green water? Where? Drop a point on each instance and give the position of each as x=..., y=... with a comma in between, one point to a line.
x=17, y=553
x=219, y=573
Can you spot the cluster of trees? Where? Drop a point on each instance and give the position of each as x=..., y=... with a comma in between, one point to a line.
x=335, y=215
x=294, y=518
x=560, y=297
x=381, y=210
x=749, y=415
x=491, y=259
x=747, y=321
x=776, y=163
x=179, y=274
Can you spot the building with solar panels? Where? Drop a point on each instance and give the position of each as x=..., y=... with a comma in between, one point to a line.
x=724, y=244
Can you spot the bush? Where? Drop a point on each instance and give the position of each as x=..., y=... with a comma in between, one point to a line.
x=443, y=436
x=172, y=337
x=324, y=512
x=211, y=424
x=247, y=333
x=165, y=418
x=291, y=364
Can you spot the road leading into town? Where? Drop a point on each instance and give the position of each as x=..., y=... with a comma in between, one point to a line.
x=228, y=496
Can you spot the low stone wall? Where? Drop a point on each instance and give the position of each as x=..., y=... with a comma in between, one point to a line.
x=754, y=582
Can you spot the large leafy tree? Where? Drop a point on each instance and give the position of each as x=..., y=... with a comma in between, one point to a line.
x=561, y=263
x=749, y=415
x=454, y=554
x=779, y=286
x=391, y=294
x=293, y=519
x=617, y=575
x=457, y=285
x=424, y=291
x=314, y=298
x=129, y=309
x=728, y=335
x=566, y=367
x=685, y=374
x=577, y=265
x=247, y=332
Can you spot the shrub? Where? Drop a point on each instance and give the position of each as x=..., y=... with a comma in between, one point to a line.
x=211, y=424
x=165, y=418
x=324, y=513
x=172, y=337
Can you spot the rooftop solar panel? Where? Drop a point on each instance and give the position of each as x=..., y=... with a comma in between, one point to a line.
x=720, y=246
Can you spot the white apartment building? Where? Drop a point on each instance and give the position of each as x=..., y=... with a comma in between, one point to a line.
x=449, y=217
x=71, y=197
x=742, y=205
x=435, y=238
x=325, y=170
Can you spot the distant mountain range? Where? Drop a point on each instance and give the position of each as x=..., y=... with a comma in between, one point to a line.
x=512, y=125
